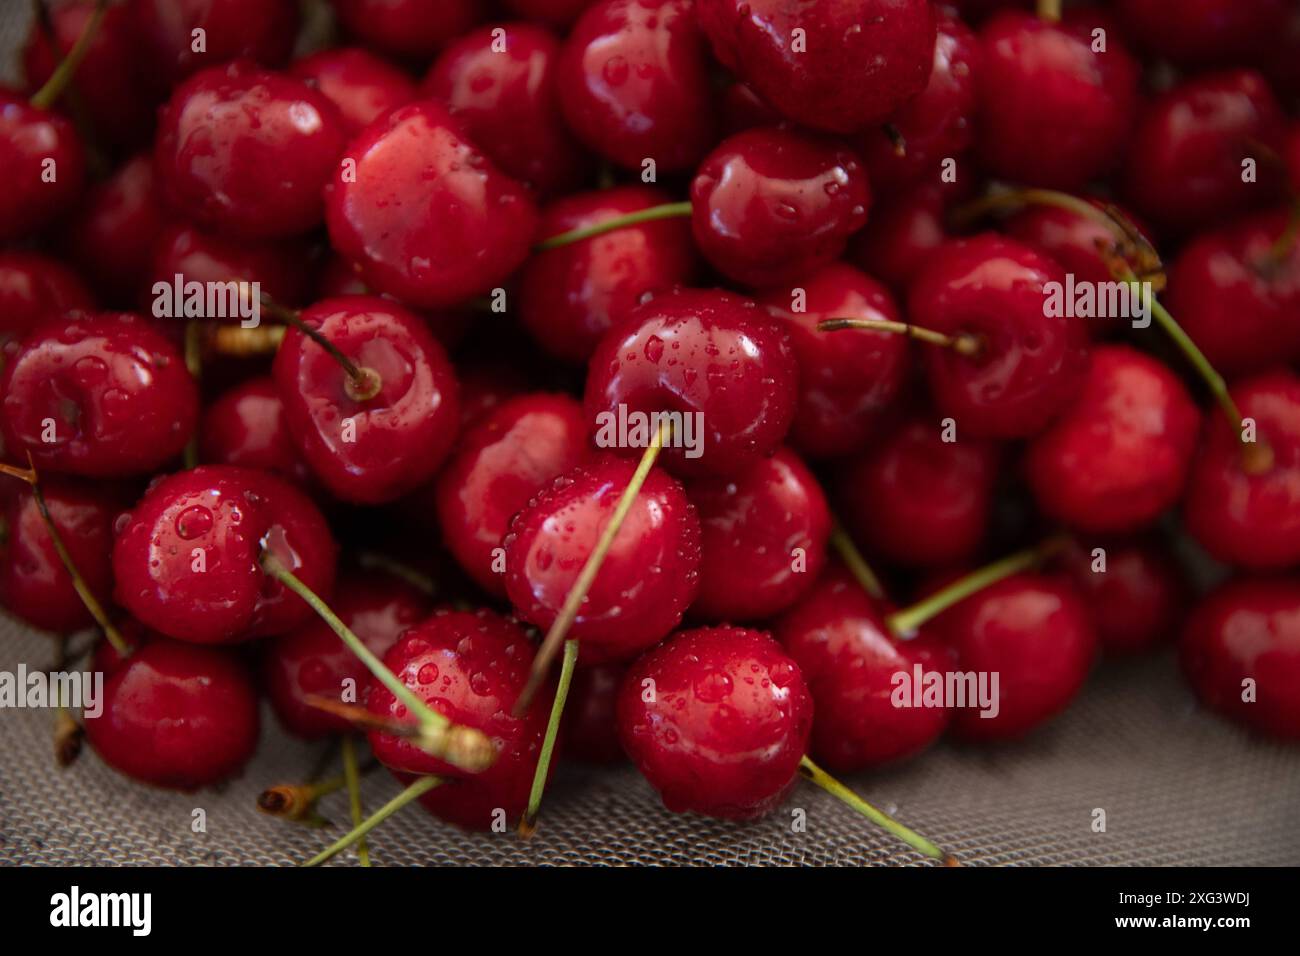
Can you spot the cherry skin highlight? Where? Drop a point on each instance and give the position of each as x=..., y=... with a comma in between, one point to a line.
x=260, y=30
x=362, y=86
x=36, y=143
x=282, y=267
x=35, y=289
x=246, y=426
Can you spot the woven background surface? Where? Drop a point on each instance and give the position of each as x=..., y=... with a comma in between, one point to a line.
x=1178, y=787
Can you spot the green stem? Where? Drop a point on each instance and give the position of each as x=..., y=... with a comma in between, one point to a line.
x=54, y=87
x=363, y=383
x=417, y=789
x=529, y=822
x=881, y=819
x=857, y=565
x=905, y=623
x=670, y=210
x=968, y=345
x=353, y=777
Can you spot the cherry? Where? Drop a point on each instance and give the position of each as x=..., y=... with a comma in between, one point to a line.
x=502, y=461
x=1135, y=593
x=847, y=381
x=741, y=109
x=1200, y=33
x=340, y=278
x=764, y=538
x=42, y=164
x=1053, y=111
x=726, y=726
x=375, y=435
x=1292, y=157
x=1027, y=366
x=507, y=102
x=414, y=29
x=175, y=715
x=1185, y=159
x=838, y=637
x=571, y=295
x=590, y=729
x=247, y=426
x=281, y=267
x=770, y=205
x=362, y=86
x=1248, y=629
x=918, y=500
x=853, y=65
x=559, y=12
x=1118, y=457
x=33, y=290
x=487, y=382
x=224, y=129
x=101, y=395
x=646, y=582
x=426, y=217
x=312, y=662
x=902, y=235
x=186, y=559
x=1034, y=632
x=469, y=667
x=260, y=30
x=633, y=81
x=701, y=353
x=1240, y=511
x=938, y=123
x=34, y=583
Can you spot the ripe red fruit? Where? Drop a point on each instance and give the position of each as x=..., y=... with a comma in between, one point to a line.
x=771, y=205
x=1200, y=33
x=282, y=267
x=36, y=144
x=35, y=289
x=414, y=29
x=559, y=12
x=1135, y=592
x=858, y=62
x=718, y=721
x=902, y=234
x=362, y=86
x=260, y=30
x=186, y=558
x=246, y=426
x=590, y=728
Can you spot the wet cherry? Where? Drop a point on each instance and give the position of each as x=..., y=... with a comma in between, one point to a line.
x=42, y=164
x=1135, y=591
x=246, y=426
x=902, y=234
x=34, y=289
x=283, y=268
x=362, y=86
x=261, y=30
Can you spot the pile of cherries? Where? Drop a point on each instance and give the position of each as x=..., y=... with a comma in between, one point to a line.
x=477, y=232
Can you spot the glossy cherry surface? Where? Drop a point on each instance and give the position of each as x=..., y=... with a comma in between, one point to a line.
x=902, y=234
x=1135, y=591
x=42, y=164
x=426, y=217
x=770, y=205
x=98, y=394
x=246, y=426
x=858, y=62
x=35, y=289
x=726, y=726
x=362, y=86
x=414, y=29
x=260, y=30
x=186, y=558
x=283, y=268
x=705, y=352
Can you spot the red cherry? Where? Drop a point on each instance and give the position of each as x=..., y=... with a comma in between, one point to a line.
x=571, y=295
x=281, y=266
x=1028, y=368
x=312, y=661
x=340, y=278
x=838, y=637
x=101, y=395
x=1053, y=111
x=186, y=558
x=1248, y=630
x=649, y=578
x=261, y=30
x=362, y=86
x=726, y=726
x=1200, y=33
x=858, y=62
x=559, y=12
x=918, y=500
x=741, y=109
x=764, y=543
x=1136, y=597
x=42, y=165
x=426, y=217
x=469, y=667
x=1118, y=457
x=590, y=728
x=847, y=381
x=225, y=128
x=34, y=584
x=368, y=446
x=633, y=79
x=487, y=382
x=415, y=29
x=702, y=353
x=770, y=205
x=1034, y=632
x=35, y=289
x=902, y=235
x=175, y=715
x=1185, y=157
x=508, y=104
x=246, y=426
x=1292, y=157
x=1250, y=517
x=502, y=461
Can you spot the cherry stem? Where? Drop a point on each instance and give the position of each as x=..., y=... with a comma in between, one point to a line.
x=905, y=623
x=670, y=210
x=896, y=139
x=1049, y=10
x=68, y=733
x=363, y=383
x=463, y=747
x=417, y=789
x=856, y=563
x=964, y=344
x=528, y=825
x=881, y=819
x=297, y=801
x=78, y=582
x=353, y=777
x=374, y=561
x=235, y=341
x=58, y=82
x=578, y=593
